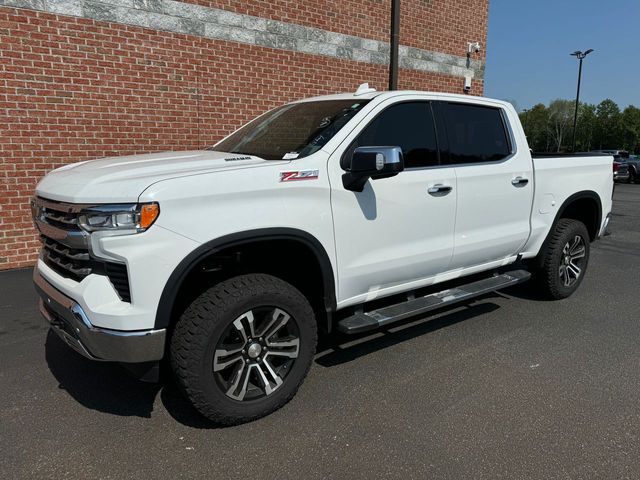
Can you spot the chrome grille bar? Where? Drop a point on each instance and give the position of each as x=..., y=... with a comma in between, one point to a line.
x=68, y=266
x=62, y=250
x=59, y=221
x=67, y=219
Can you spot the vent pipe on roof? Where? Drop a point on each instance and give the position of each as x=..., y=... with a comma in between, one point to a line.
x=395, y=42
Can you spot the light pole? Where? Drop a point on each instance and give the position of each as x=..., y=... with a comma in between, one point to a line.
x=526, y=117
x=580, y=56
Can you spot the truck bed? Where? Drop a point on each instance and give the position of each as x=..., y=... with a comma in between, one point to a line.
x=560, y=176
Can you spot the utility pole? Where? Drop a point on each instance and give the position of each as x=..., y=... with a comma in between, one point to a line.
x=394, y=44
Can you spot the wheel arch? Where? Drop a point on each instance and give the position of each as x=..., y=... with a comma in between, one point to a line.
x=570, y=208
x=304, y=240
x=585, y=206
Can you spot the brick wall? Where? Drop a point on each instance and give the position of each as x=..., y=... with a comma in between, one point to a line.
x=441, y=25
x=74, y=88
x=363, y=18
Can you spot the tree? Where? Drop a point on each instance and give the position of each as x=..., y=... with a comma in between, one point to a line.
x=586, y=127
x=535, y=122
x=630, y=126
x=599, y=127
x=608, y=121
x=560, y=120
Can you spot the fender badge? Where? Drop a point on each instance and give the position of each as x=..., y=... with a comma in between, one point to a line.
x=299, y=175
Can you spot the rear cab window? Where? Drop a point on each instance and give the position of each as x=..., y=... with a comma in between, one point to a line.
x=475, y=133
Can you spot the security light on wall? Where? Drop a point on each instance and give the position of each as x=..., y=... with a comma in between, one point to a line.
x=467, y=83
x=473, y=47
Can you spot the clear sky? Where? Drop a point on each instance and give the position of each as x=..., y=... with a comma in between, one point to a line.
x=529, y=43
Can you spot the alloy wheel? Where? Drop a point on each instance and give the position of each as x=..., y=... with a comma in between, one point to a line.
x=255, y=353
x=572, y=262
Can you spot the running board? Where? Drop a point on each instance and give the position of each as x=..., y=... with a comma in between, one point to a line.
x=363, y=322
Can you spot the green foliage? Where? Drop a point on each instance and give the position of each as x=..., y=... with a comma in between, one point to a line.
x=601, y=126
x=630, y=125
x=608, y=126
x=587, y=125
x=535, y=123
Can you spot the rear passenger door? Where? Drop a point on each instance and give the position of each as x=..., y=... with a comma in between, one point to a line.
x=494, y=180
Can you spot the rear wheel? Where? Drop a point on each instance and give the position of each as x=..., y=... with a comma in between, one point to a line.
x=564, y=259
x=243, y=347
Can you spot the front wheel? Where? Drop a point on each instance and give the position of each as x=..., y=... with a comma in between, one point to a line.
x=632, y=176
x=564, y=259
x=243, y=347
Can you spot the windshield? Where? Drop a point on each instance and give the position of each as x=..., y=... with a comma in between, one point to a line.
x=291, y=131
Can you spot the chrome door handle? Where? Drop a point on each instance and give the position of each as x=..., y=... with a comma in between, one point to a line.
x=439, y=189
x=519, y=181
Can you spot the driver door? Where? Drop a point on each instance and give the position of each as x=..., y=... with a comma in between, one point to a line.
x=398, y=232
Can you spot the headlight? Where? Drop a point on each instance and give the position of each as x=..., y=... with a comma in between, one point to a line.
x=126, y=217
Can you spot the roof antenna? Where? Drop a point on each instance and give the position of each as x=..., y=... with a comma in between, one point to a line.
x=362, y=89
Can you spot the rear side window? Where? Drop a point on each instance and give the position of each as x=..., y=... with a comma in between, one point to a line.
x=476, y=133
x=407, y=125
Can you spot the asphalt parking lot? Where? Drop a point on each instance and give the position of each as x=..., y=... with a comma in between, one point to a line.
x=509, y=387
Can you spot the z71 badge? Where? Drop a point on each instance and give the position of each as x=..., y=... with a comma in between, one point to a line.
x=299, y=175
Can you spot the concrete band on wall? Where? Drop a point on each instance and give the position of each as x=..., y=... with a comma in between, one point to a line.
x=179, y=17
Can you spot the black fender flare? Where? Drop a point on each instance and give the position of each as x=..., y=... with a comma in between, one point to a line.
x=186, y=266
x=590, y=194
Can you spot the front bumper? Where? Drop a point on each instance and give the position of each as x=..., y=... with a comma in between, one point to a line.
x=71, y=324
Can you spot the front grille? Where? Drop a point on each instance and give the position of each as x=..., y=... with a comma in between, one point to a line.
x=61, y=221
x=68, y=262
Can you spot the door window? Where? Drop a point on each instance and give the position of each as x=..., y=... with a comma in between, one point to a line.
x=407, y=125
x=476, y=133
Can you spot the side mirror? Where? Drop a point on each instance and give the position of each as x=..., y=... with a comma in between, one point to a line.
x=374, y=163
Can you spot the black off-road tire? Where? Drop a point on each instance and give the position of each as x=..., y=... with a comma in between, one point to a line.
x=201, y=326
x=633, y=178
x=548, y=277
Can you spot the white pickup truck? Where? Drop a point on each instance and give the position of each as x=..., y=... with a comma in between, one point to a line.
x=336, y=212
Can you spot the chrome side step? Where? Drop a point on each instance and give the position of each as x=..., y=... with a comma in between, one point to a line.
x=363, y=322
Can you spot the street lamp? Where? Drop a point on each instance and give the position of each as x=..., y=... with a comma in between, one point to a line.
x=580, y=56
x=525, y=111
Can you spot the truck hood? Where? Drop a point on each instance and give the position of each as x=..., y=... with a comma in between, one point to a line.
x=123, y=179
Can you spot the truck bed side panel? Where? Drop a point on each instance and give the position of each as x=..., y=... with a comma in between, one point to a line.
x=558, y=178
